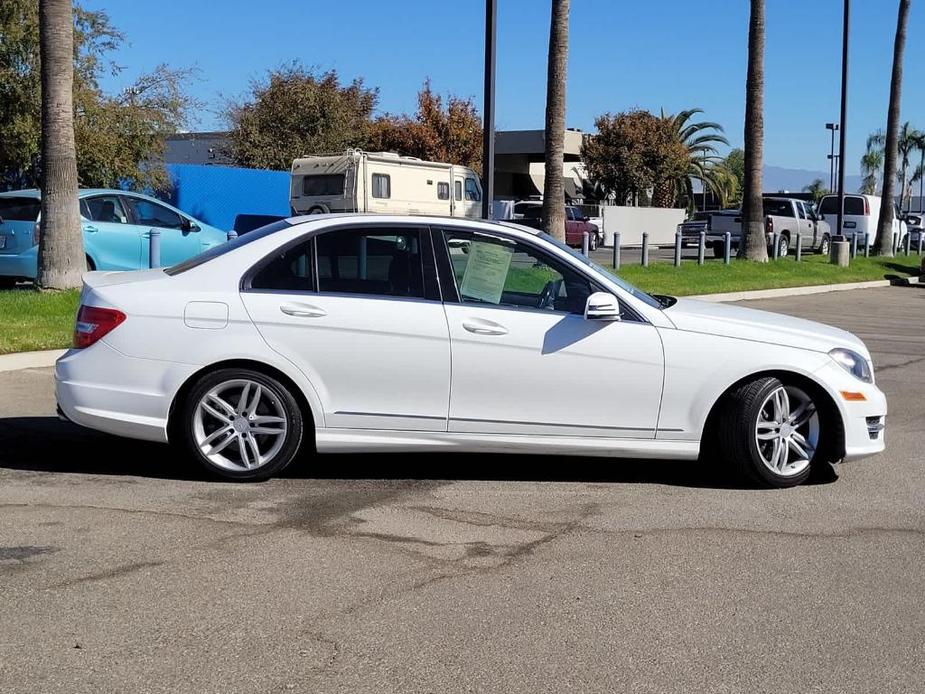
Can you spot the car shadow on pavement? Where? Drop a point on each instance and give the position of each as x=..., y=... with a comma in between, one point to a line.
x=47, y=444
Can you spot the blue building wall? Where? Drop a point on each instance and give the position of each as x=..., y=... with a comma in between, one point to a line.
x=218, y=194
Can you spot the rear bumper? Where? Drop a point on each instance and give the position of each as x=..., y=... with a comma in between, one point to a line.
x=22, y=265
x=103, y=389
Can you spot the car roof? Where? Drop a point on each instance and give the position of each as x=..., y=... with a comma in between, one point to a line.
x=371, y=218
x=81, y=193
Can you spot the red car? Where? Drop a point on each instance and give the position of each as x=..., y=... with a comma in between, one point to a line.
x=576, y=224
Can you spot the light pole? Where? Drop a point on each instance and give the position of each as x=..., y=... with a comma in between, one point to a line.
x=833, y=127
x=843, y=119
x=488, y=124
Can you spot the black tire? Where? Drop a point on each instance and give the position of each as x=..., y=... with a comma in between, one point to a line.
x=7, y=282
x=824, y=245
x=736, y=435
x=318, y=209
x=278, y=397
x=783, y=246
x=719, y=249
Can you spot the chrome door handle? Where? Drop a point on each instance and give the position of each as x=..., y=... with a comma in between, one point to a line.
x=303, y=310
x=90, y=229
x=480, y=326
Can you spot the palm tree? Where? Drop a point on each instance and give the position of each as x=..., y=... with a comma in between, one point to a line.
x=910, y=140
x=885, y=223
x=557, y=63
x=699, y=140
x=61, y=254
x=872, y=163
x=817, y=189
x=754, y=246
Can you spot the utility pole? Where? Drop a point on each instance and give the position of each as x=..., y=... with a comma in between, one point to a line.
x=488, y=117
x=844, y=119
x=833, y=127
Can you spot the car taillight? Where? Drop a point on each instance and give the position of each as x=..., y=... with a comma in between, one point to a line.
x=93, y=323
x=36, y=229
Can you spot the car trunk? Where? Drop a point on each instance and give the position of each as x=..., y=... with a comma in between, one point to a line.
x=17, y=223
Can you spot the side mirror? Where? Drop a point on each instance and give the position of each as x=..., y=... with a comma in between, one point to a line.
x=602, y=306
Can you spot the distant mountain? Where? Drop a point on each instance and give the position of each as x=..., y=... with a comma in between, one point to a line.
x=777, y=178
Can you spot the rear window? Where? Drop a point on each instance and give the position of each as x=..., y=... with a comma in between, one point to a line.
x=854, y=205
x=325, y=184
x=223, y=248
x=20, y=209
x=778, y=208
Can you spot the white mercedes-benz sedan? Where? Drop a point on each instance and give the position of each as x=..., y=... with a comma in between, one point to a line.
x=370, y=333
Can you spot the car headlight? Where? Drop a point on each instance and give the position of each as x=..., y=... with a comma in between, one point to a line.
x=853, y=363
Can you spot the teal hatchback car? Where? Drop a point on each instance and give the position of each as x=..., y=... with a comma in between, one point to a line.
x=116, y=229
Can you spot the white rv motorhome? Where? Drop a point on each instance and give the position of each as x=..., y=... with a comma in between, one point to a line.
x=383, y=182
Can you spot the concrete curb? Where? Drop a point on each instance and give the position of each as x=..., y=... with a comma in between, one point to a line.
x=789, y=291
x=29, y=360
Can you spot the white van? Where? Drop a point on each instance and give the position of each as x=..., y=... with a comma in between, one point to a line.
x=383, y=182
x=861, y=215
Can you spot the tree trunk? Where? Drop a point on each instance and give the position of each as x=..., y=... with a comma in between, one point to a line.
x=754, y=241
x=553, y=188
x=890, y=149
x=61, y=253
x=664, y=194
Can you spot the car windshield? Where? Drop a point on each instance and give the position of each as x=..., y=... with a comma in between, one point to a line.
x=623, y=284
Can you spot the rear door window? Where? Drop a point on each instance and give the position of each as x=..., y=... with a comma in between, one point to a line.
x=385, y=262
x=105, y=208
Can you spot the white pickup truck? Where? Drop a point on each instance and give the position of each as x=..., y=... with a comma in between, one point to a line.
x=785, y=217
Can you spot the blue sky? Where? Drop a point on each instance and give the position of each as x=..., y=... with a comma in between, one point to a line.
x=653, y=54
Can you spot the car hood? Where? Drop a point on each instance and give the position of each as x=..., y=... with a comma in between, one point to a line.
x=760, y=326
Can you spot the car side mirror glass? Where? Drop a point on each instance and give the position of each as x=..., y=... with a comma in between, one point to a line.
x=602, y=306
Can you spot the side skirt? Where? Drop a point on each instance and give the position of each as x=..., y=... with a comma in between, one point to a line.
x=330, y=440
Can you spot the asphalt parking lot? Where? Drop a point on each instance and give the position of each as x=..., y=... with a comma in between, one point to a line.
x=122, y=569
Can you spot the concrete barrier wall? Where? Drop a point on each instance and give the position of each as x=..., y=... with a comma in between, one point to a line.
x=661, y=224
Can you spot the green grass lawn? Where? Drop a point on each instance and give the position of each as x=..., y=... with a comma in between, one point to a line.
x=741, y=275
x=31, y=320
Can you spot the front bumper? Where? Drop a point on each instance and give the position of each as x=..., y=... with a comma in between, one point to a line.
x=864, y=420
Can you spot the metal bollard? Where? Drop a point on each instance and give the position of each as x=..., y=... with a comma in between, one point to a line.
x=616, y=250
x=585, y=243
x=775, y=246
x=645, y=249
x=799, y=253
x=854, y=246
x=232, y=235
x=701, y=247
x=866, y=244
x=154, y=248
x=907, y=244
x=727, y=248
x=677, y=249
x=921, y=234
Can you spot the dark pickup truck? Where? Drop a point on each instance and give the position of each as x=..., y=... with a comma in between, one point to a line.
x=576, y=224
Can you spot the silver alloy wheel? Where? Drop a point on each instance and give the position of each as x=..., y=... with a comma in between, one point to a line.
x=240, y=424
x=787, y=431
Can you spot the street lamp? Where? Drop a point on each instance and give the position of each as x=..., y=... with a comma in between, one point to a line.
x=488, y=124
x=843, y=120
x=833, y=127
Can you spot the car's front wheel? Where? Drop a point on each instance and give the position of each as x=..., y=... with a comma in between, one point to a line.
x=770, y=431
x=242, y=424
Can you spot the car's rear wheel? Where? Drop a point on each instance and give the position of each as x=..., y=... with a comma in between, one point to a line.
x=242, y=424
x=771, y=431
x=7, y=282
x=783, y=246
